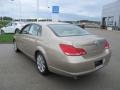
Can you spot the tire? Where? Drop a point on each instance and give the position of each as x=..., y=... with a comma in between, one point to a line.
x=2, y=32
x=41, y=64
x=15, y=46
x=17, y=31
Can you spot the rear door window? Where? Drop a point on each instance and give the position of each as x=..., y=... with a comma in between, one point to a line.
x=35, y=30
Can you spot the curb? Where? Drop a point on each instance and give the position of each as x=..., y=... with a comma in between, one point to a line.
x=6, y=43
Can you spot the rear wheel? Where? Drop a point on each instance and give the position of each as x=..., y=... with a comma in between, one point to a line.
x=15, y=46
x=41, y=64
x=2, y=32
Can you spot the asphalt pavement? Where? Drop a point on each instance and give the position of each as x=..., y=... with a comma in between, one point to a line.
x=19, y=72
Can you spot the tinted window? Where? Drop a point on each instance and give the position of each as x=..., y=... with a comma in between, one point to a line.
x=14, y=24
x=35, y=30
x=25, y=29
x=9, y=24
x=64, y=30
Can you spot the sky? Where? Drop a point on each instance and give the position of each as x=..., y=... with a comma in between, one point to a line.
x=69, y=9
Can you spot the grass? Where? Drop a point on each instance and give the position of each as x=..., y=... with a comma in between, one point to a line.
x=6, y=38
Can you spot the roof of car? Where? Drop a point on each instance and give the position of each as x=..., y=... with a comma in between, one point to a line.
x=46, y=23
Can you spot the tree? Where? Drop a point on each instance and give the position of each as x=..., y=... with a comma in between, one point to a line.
x=7, y=18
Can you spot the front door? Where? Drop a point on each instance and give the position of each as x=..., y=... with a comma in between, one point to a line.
x=22, y=38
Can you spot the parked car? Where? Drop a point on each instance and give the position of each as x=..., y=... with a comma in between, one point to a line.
x=62, y=48
x=12, y=27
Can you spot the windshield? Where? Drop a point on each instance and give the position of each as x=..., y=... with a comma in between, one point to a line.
x=66, y=30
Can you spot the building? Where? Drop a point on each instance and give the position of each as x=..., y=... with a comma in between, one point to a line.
x=111, y=16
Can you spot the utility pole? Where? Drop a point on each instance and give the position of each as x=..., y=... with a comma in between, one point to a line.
x=55, y=11
x=20, y=10
x=37, y=10
x=11, y=9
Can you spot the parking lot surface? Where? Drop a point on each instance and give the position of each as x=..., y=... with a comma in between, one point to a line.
x=18, y=72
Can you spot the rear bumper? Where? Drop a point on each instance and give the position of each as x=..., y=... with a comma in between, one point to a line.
x=76, y=66
x=72, y=74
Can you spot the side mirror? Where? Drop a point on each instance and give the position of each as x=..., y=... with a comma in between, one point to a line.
x=25, y=32
x=20, y=32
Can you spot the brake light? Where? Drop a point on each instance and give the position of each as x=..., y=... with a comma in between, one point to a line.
x=72, y=51
x=106, y=45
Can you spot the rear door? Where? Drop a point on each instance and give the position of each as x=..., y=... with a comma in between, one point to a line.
x=34, y=35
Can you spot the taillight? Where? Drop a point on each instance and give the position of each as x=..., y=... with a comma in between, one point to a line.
x=72, y=51
x=106, y=45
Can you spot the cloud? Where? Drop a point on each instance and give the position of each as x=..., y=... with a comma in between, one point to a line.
x=91, y=8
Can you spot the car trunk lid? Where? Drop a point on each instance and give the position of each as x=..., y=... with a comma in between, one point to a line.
x=92, y=44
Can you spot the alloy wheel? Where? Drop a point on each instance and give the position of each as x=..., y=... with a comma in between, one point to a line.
x=41, y=63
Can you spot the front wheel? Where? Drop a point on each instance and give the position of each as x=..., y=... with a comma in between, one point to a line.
x=41, y=64
x=2, y=32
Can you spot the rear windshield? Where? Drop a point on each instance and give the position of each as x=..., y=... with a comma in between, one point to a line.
x=66, y=30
